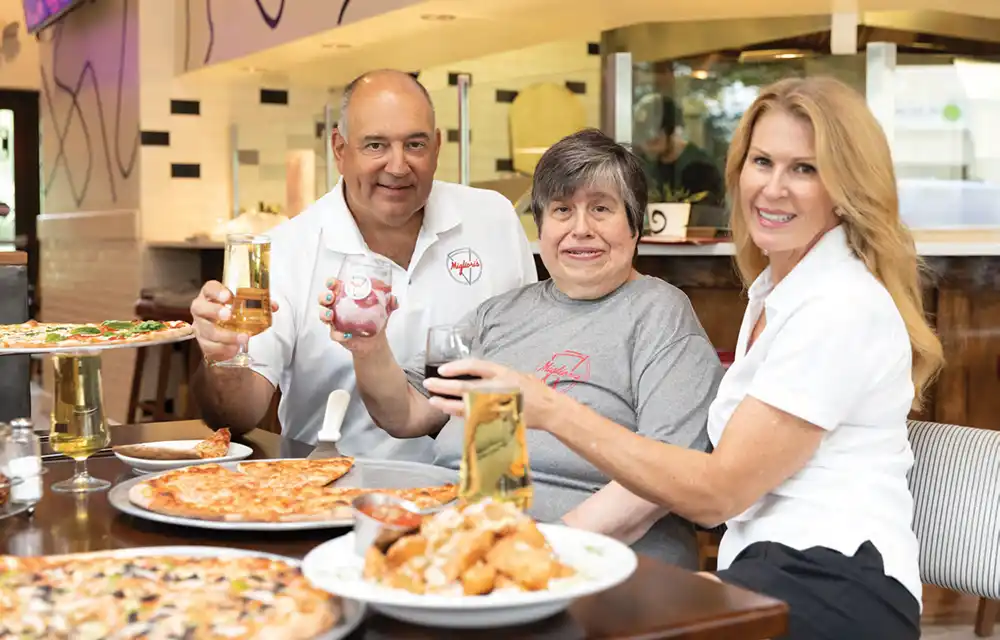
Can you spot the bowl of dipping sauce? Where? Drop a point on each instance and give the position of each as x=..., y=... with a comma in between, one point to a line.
x=380, y=519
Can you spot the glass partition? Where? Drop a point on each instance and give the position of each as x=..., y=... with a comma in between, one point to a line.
x=945, y=140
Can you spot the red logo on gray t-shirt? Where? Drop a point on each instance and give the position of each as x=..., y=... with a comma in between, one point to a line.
x=567, y=367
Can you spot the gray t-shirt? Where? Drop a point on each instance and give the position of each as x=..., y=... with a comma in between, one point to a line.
x=638, y=356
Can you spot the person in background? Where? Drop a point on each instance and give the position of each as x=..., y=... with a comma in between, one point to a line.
x=811, y=455
x=672, y=163
x=626, y=345
x=450, y=246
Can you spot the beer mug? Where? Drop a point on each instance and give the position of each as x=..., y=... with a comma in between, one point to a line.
x=495, y=451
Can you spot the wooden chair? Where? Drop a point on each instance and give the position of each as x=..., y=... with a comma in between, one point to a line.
x=955, y=483
x=147, y=308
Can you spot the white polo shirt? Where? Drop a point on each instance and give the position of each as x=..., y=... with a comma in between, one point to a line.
x=471, y=247
x=835, y=352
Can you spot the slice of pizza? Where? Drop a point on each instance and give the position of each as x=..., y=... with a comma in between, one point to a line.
x=215, y=447
x=298, y=472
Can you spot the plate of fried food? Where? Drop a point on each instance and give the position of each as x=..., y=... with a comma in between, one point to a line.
x=174, y=454
x=479, y=565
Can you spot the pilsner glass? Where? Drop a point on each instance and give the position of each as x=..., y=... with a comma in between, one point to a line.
x=247, y=275
x=495, y=452
x=446, y=343
x=362, y=304
x=79, y=428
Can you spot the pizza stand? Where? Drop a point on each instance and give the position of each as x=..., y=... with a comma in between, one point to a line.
x=78, y=402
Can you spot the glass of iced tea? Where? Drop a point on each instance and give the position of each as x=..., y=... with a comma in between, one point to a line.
x=446, y=343
x=247, y=275
x=361, y=307
x=79, y=427
x=495, y=452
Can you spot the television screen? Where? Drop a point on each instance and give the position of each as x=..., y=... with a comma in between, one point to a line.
x=39, y=14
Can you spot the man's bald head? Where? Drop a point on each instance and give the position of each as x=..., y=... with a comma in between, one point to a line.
x=381, y=80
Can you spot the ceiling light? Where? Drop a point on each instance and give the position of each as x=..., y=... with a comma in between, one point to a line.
x=700, y=74
x=437, y=17
x=335, y=45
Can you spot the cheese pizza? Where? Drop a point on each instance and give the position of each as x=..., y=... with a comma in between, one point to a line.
x=58, y=335
x=266, y=491
x=93, y=596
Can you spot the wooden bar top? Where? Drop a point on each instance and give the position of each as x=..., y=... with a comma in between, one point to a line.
x=658, y=601
x=17, y=258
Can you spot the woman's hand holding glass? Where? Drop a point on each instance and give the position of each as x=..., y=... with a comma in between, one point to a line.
x=359, y=343
x=541, y=402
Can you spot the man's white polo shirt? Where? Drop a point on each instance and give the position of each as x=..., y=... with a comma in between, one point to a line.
x=835, y=352
x=471, y=247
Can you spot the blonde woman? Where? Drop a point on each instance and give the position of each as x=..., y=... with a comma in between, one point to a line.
x=809, y=425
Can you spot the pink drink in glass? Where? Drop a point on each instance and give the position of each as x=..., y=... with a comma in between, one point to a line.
x=361, y=307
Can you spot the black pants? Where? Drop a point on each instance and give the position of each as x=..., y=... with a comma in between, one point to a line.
x=830, y=595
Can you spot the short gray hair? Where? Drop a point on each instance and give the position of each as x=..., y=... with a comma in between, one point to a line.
x=345, y=100
x=590, y=158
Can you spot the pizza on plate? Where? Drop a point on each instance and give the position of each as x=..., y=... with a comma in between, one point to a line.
x=52, y=335
x=266, y=491
x=106, y=595
x=216, y=446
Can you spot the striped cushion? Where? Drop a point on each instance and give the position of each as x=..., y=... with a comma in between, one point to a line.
x=955, y=483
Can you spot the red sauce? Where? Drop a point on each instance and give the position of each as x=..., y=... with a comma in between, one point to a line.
x=391, y=515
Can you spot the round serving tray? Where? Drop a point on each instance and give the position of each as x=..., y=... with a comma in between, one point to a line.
x=89, y=349
x=365, y=474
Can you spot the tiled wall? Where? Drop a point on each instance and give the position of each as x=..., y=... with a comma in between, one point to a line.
x=187, y=152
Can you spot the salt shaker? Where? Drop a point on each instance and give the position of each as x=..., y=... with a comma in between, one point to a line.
x=24, y=462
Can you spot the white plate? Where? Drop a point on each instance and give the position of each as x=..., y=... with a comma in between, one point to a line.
x=601, y=564
x=367, y=474
x=353, y=611
x=236, y=453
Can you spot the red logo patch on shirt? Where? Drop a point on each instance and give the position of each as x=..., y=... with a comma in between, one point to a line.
x=567, y=367
x=465, y=266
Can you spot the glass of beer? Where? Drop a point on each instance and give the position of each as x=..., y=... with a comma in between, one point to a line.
x=361, y=307
x=79, y=428
x=495, y=452
x=247, y=275
x=446, y=343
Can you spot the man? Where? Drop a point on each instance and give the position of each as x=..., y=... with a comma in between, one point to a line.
x=672, y=163
x=451, y=247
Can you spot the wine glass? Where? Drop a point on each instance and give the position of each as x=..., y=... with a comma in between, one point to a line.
x=446, y=343
x=247, y=275
x=79, y=428
x=361, y=307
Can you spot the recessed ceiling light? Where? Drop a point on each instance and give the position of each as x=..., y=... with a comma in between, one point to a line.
x=437, y=17
x=335, y=45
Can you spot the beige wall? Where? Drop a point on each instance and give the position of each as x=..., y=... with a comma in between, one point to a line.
x=18, y=50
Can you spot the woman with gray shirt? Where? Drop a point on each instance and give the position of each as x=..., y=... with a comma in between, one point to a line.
x=626, y=345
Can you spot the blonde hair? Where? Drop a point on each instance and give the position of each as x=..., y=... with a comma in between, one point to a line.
x=855, y=165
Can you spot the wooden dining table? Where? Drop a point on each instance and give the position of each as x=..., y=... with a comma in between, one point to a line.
x=658, y=601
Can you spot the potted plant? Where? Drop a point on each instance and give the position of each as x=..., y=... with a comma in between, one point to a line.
x=668, y=212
